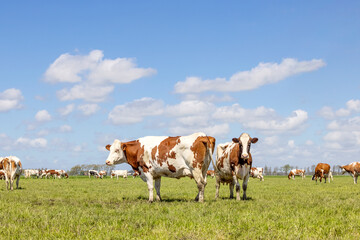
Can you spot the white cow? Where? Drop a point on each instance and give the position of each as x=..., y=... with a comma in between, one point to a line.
x=117, y=173
x=31, y=172
x=233, y=162
x=296, y=172
x=176, y=157
x=94, y=173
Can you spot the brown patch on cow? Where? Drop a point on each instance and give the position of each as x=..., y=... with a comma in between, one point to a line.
x=153, y=152
x=318, y=170
x=108, y=147
x=165, y=148
x=199, y=148
x=210, y=173
x=172, y=155
x=221, y=160
x=134, y=155
x=171, y=167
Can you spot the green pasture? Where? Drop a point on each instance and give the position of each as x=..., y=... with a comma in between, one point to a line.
x=83, y=208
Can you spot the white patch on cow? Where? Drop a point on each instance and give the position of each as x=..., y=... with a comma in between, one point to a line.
x=245, y=141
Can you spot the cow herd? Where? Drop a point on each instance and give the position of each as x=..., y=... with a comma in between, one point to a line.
x=154, y=157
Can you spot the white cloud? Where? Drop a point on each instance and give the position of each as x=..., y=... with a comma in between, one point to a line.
x=10, y=99
x=291, y=143
x=42, y=116
x=94, y=76
x=190, y=108
x=352, y=106
x=136, y=111
x=212, y=130
x=67, y=109
x=264, y=73
x=88, y=109
x=65, y=128
x=23, y=142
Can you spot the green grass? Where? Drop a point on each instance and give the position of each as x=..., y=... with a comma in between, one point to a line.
x=83, y=208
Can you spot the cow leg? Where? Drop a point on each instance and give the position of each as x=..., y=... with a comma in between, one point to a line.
x=201, y=183
x=231, y=188
x=244, y=186
x=217, y=186
x=150, y=183
x=157, y=187
x=355, y=179
x=17, y=181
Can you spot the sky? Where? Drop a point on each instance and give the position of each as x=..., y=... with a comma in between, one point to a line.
x=75, y=75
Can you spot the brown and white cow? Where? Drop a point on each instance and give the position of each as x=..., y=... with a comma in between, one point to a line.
x=102, y=174
x=353, y=169
x=154, y=157
x=322, y=170
x=296, y=172
x=121, y=173
x=233, y=162
x=257, y=172
x=13, y=168
x=52, y=173
x=211, y=173
x=2, y=175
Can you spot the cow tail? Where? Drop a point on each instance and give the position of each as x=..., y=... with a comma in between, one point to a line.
x=211, y=148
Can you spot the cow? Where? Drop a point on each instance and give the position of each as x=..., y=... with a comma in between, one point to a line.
x=211, y=173
x=117, y=173
x=135, y=174
x=233, y=162
x=257, y=173
x=154, y=157
x=13, y=168
x=322, y=170
x=102, y=174
x=353, y=169
x=31, y=172
x=296, y=172
x=93, y=173
x=62, y=173
x=51, y=173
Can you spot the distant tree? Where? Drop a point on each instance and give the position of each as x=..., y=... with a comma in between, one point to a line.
x=286, y=168
x=313, y=168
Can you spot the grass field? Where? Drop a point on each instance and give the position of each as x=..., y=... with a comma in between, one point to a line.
x=83, y=208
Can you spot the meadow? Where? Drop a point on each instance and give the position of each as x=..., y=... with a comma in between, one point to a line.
x=83, y=208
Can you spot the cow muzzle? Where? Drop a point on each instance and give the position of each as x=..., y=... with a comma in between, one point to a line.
x=108, y=163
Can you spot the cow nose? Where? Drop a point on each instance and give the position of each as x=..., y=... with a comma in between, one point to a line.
x=245, y=156
x=107, y=162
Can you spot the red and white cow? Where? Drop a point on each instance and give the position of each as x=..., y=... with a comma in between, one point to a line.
x=296, y=172
x=322, y=170
x=13, y=168
x=51, y=173
x=2, y=175
x=257, y=173
x=233, y=162
x=211, y=173
x=62, y=173
x=102, y=174
x=153, y=157
x=117, y=173
x=353, y=169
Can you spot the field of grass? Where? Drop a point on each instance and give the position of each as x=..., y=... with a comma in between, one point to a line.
x=83, y=208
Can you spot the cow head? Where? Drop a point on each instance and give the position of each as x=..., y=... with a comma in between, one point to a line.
x=117, y=154
x=342, y=169
x=245, y=142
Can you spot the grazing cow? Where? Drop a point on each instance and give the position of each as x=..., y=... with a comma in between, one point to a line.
x=117, y=173
x=62, y=173
x=257, y=173
x=233, y=162
x=31, y=172
x=135, y=174
x=211, y=173
x=93, y=173
x=51, y=173
x=2, y=175
x=296, y=172
x=322, y=170
x=13, y=169
x=153, y=157
x=102, y=174
x=353, y=169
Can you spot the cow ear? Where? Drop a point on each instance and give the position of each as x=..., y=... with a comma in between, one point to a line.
x=108, y=147
x=236, y=140
x=123, y=147
x=254, y=140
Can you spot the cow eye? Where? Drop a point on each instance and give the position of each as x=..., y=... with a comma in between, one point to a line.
x=117, y=150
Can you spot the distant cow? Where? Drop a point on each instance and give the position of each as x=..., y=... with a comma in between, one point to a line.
x=102, y=174
x=176, y=157
x=211, y=173
x=322, y=170
x=93, y=173
x=257, y=173
x=13, y=168
x=31, y=172
x=233, y=162
x=62, y=173
x=296, y=172
x=117, y=173
x=2, y=175
x=353, y=169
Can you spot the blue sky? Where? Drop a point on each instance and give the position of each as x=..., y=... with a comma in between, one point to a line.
x=75, y=75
